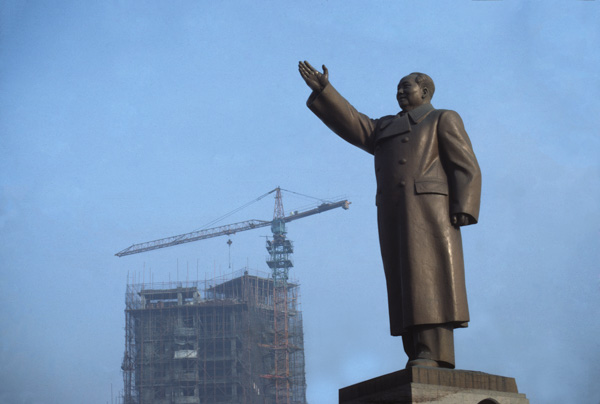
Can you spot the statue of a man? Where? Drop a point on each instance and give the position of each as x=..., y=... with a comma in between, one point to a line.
x=428, y=186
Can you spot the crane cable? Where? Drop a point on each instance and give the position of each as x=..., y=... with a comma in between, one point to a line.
x=303, y=207
x=212, y=223
x=306, y=196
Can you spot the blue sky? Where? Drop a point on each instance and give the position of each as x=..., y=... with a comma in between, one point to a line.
x=127, y=121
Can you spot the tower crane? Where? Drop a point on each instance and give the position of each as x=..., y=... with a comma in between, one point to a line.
x=279, y=261
x=279, y=248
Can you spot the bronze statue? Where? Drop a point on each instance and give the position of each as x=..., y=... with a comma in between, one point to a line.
x=428, y=185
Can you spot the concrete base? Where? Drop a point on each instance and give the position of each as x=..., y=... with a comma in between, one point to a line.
x=434, y=386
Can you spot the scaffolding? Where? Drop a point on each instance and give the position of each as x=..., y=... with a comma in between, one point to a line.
x=223, y=340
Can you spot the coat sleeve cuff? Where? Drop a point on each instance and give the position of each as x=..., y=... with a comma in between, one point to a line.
x=315, y=95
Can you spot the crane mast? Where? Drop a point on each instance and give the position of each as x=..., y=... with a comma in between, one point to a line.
x=279, y=248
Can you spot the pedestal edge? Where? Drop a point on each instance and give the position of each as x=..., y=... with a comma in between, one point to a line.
x=463, y=379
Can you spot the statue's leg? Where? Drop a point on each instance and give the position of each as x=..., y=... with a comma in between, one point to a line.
x=430, y=345
x=392, y=243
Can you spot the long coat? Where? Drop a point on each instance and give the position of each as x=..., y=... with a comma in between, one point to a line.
x=426, y=170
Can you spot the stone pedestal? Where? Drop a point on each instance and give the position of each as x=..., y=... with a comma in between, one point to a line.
x=434, y=386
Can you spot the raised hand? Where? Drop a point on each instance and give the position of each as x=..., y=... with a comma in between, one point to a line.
x=313, y=78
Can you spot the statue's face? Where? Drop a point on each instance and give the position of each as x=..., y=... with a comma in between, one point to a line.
x=410, y=94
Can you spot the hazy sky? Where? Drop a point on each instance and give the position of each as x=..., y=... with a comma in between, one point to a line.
x=127, y=121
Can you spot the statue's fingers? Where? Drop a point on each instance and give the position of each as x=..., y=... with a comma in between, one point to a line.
x=304, y=75
x=304, y=69
x=315, y=71
x=325, y=71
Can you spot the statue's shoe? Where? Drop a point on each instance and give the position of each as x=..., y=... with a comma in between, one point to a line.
x=422, y=362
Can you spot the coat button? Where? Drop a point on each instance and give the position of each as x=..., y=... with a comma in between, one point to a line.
x=401, y=184
x=402, y=161
x=405, y=139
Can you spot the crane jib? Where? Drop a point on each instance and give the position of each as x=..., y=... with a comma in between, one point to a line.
x=224, y=230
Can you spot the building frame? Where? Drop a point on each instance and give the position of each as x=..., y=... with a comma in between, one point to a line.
x=234, y=339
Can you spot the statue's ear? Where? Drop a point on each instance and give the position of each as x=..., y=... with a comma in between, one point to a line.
x=424, y=92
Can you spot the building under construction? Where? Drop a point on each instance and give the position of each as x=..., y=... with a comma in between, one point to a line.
x=235, y=339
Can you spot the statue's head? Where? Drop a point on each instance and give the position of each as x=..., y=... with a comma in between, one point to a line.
x=414, y=90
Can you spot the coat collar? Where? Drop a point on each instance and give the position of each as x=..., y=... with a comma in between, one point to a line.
x=420, y=112
x=400, y=123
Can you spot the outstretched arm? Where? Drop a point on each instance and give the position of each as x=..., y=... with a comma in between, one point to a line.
x=335, y=112
x=316, y=80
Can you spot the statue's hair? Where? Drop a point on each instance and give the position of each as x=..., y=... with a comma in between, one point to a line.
x=424, y=80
